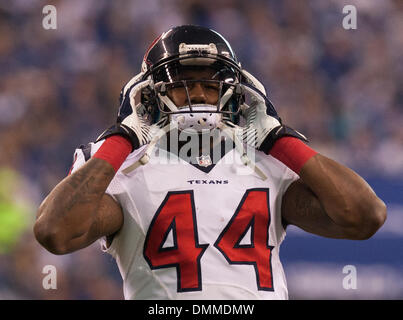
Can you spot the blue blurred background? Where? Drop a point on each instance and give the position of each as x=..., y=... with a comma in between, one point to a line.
x=342, y=88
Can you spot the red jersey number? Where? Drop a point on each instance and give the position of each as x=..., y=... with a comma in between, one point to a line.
x=177, y=216
x=252, y=215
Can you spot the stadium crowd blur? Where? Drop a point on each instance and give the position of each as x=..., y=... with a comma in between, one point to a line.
x=59, y=88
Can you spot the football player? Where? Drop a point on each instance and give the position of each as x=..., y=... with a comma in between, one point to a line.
x=204, y=224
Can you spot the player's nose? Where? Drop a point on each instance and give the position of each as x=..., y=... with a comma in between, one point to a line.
x=197, y=93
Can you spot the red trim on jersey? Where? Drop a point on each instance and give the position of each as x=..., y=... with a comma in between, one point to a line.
x=292, y=152
x=114, y=150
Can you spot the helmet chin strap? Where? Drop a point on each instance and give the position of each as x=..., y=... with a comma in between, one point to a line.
x=231, y=134
x=225, y=97
x=168, y=102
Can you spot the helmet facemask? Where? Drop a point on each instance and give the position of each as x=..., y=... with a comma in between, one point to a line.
x=196, y=97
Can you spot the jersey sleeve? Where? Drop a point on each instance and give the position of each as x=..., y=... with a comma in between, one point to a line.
x=282, y=177
x=81, y=155
x=84, y=153
x=288, y=178
x=116, y=188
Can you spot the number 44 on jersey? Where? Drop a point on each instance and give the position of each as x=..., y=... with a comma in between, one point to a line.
x=177, y=214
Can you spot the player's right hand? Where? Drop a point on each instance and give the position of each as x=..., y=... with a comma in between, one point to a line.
x=130, y=122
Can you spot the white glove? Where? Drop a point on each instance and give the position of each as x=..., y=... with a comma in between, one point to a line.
x=258, y=123
x=130, y=122
x=131, y=110
x=262, y=130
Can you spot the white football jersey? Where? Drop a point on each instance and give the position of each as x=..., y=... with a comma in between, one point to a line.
x=198, y=234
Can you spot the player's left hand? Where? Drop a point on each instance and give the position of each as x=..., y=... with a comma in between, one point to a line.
x=263, y=125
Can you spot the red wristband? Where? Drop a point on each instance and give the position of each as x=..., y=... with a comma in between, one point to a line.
x=114, y=150
x=292, y=152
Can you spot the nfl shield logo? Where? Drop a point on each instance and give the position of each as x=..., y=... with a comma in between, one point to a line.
x=204, y=161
